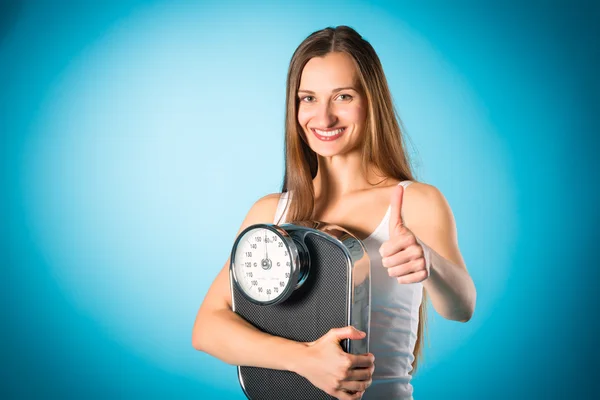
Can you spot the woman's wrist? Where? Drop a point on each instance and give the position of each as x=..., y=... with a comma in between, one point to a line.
x=292, y=353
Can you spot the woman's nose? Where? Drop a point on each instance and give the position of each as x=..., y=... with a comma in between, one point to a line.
x=326, y=115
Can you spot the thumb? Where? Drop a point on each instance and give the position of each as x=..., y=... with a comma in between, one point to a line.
x=347, y=332
x=396, y=210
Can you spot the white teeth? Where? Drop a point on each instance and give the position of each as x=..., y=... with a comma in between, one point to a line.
x=329, y=133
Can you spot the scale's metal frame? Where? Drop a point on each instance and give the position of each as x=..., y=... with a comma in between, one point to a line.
x=359, y=272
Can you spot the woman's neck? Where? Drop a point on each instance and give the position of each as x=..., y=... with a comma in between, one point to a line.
x=341, y=175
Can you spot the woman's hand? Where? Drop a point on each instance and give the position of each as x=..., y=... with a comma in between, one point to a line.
x=402, y=254
x=328, y=367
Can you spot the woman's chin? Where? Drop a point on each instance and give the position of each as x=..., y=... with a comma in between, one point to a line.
x=330, y=151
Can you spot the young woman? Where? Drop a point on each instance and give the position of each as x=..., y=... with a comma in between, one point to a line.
x=346, y=165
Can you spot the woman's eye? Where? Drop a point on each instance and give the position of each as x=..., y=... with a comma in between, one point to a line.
x=344, y=97
x=307, y=99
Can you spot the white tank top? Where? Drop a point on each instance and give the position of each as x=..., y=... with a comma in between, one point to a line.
x=394, y=318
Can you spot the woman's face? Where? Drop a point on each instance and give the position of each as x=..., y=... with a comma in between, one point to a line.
x=332, y=110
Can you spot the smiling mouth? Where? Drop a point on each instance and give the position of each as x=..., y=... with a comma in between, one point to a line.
x=328, y=135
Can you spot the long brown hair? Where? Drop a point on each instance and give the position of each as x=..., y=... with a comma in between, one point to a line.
x=383, y=147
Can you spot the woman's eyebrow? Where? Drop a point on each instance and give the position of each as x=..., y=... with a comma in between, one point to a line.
x=333, y=91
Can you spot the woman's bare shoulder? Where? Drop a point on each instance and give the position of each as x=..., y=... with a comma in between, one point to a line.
x=423, y=191
x=270, y=199
x=263, y=210
x=424, y=204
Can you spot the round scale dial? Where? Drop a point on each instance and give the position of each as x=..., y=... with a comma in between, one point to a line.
x=264, y=264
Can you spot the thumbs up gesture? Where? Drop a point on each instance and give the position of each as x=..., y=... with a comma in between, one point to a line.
x=402, y=254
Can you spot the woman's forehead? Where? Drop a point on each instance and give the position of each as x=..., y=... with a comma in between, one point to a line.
x=334, y=70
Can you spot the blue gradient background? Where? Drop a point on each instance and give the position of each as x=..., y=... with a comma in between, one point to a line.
x=136, y=135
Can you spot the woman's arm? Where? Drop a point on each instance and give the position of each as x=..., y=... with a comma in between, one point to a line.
x=222, y=333
x=423, y=247
x=449, y=286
